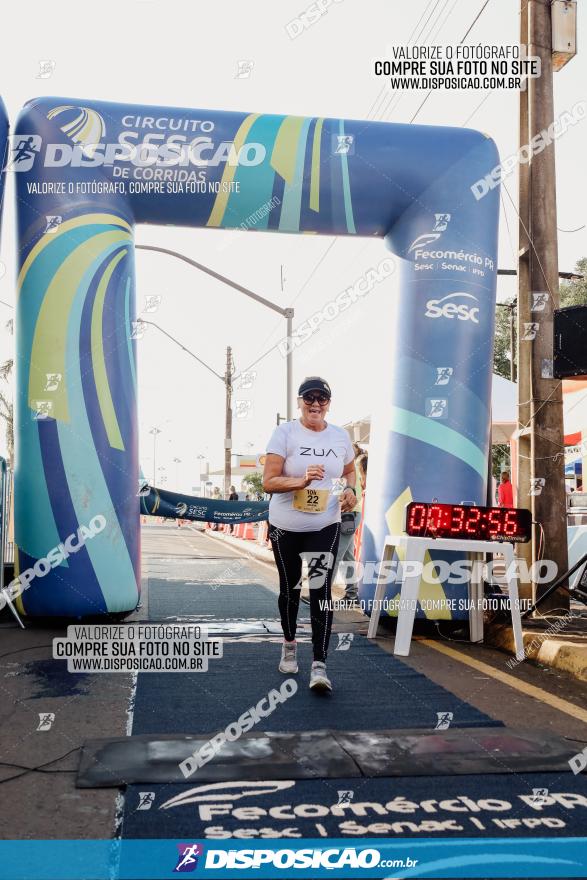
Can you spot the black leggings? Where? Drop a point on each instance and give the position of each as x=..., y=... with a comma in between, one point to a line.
x=319, y=550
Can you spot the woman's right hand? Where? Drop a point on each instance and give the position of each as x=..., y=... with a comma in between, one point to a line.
x=313, y=472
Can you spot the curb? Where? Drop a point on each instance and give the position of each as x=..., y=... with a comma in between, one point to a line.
x=568, y=655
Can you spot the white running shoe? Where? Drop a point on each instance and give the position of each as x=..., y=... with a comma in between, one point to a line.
x=319, y=681
x=289, y=658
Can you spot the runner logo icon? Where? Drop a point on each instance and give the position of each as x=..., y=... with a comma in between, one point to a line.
x=23, y=151
x=188, y=857
x=441, y=222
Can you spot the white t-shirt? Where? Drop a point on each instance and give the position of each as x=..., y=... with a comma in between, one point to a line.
x=301, y=447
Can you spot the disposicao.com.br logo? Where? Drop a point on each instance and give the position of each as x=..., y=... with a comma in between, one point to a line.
x=328, y=858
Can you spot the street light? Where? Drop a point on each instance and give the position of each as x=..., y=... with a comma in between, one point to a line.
x=154, y=432
x=287, y=313
x=226, y=381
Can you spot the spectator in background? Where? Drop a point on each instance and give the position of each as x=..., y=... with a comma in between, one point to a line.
x=505, y=491
x=233, y=496
x=346, y=545
x=362, y=463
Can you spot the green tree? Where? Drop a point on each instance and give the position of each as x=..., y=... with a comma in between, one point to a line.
x=574, y=293
x=253, y=484
x=501, y=348
x=500, y=459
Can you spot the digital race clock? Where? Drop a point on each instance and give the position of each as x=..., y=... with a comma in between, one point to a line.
x=464, y=521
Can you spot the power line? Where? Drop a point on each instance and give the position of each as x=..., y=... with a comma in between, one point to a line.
x=478, y=107
x=384, y=87
x=182, y=346
x=510, y=239
x=434, y=23
x=422, y=29
x=475, y=20
x=314, y=270
x=275, y=345
x=530, y=239
x=461, y=41
x=334, y=241
x=446, y=18
x=398, y=95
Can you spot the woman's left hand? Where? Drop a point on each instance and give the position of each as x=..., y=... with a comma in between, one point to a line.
x=348, y=500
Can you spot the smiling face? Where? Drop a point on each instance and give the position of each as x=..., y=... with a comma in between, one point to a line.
x=313, y=408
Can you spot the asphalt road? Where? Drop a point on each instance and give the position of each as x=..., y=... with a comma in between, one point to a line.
x=82, y=706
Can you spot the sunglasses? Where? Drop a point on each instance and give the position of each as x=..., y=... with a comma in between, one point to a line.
x=316, y=398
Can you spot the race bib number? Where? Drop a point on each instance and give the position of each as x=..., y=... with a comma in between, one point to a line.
x=311, y=500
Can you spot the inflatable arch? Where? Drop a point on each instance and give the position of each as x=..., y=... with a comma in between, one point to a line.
x=3, y=151
x=90, y=171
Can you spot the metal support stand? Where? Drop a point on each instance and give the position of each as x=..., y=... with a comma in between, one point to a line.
x=415, y=549
x=3, y=591
x=10, y=604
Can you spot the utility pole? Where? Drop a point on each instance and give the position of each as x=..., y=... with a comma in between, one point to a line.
x=287, y=313
x=228, y=430
x=540, y=412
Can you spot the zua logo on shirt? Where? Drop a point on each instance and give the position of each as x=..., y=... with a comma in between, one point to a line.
x=308, y=450
x=447, y=308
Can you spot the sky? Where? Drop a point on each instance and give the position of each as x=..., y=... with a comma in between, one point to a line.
x=187, y=55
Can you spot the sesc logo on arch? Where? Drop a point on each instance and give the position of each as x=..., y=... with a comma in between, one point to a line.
x=454, y=306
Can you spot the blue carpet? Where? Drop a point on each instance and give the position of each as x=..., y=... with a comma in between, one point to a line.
x=373, y=690
x=449, y=806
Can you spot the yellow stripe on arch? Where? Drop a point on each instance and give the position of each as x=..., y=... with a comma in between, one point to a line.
x=98, y=360
x=285, y=149
x=50, y=340
x=18, y=599
x=66, y=226
x=221, y=200
x=315, y=174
